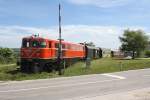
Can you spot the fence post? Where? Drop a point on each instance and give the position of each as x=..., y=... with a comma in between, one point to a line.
x=88, y=63
x=121, y=66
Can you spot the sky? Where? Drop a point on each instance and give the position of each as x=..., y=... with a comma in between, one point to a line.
x=99, y=21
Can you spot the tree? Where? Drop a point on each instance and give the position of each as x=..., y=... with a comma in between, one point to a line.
x=6, y=55
x=89, y=44
x=147, y=53
x=134, y=41
x=6, y=52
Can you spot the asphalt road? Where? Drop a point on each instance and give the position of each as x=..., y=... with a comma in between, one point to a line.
x=78, y=87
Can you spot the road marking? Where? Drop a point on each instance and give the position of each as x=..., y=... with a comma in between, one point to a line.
x=66, y=85
x=114, y=76
x=39, y=80
x=146, y=75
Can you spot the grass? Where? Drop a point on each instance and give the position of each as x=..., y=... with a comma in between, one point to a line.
x=105, y=65
x=12, y=72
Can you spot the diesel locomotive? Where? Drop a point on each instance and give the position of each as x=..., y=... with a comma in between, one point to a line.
x=38, y=54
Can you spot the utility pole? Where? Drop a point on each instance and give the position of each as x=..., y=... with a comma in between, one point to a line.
x=60, y=40
x=60, y=43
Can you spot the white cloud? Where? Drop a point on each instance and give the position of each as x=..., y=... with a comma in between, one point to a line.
x=102, y=36
x=101, y=3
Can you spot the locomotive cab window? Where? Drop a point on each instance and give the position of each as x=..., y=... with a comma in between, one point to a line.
x=35, y=44
x=43, y=44
x=25, y=44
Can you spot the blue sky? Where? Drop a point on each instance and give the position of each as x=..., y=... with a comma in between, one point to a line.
x=100, y=21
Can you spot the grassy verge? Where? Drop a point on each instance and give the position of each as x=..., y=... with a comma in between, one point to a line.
x=12, y=72
x=105, y=65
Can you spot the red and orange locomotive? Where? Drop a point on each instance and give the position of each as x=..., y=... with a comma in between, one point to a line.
x=38, y=54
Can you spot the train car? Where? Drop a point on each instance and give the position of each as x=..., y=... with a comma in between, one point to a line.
x=38, y=54
x=93, y=52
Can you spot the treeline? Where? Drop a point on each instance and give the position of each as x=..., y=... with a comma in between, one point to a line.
x=7, y=55
x=136, y=42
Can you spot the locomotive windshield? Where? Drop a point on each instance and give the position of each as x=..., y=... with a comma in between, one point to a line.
x=25, y=44
x=42, y=44
x=33, y=43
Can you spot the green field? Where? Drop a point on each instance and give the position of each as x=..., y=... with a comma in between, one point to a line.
x=105, y=65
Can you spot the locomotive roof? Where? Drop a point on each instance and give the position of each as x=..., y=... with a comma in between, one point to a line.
x=91, y=47
x=66, y=42
x=32, y=37
x=41, y=38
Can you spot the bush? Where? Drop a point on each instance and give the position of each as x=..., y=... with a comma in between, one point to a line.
x=6, y=55
x=147, y=53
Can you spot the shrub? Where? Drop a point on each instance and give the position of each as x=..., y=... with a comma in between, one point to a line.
x=147, y=53
x=6, y=55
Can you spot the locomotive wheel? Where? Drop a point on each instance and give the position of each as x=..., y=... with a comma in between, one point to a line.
x=48, y=67
x=36, y=69
x=28, y=67
x=22, y=68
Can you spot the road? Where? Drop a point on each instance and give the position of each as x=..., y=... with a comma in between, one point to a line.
x=86, y=87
